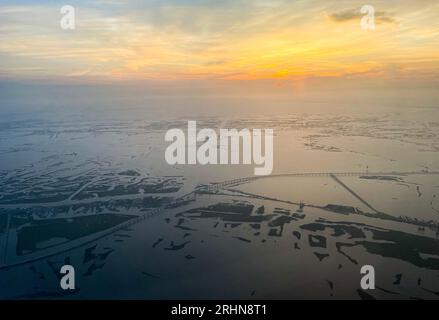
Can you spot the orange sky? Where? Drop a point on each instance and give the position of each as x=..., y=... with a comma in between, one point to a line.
x=225, y=40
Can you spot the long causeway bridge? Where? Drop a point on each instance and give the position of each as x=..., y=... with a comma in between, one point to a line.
x=213, y=187
x=233, y=182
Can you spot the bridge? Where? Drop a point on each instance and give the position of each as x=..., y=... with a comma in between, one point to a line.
x=354, y=193
x=100, y=235
x=233, y=182
x=191, y=196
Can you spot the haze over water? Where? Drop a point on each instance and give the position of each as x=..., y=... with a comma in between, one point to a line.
x=83, y=179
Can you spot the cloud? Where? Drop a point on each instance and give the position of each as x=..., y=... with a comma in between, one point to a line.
x=355, y=14
x=228, y=39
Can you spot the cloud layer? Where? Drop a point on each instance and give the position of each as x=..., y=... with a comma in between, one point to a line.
x=226, y=40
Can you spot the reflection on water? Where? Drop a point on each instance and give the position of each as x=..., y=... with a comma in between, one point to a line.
x=99, y=195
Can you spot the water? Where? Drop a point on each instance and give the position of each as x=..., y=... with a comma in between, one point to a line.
x=76, y=172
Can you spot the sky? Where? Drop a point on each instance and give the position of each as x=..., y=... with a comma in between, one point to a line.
x=288, y=43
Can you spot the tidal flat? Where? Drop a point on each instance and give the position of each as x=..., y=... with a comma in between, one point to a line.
x=96, y=193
